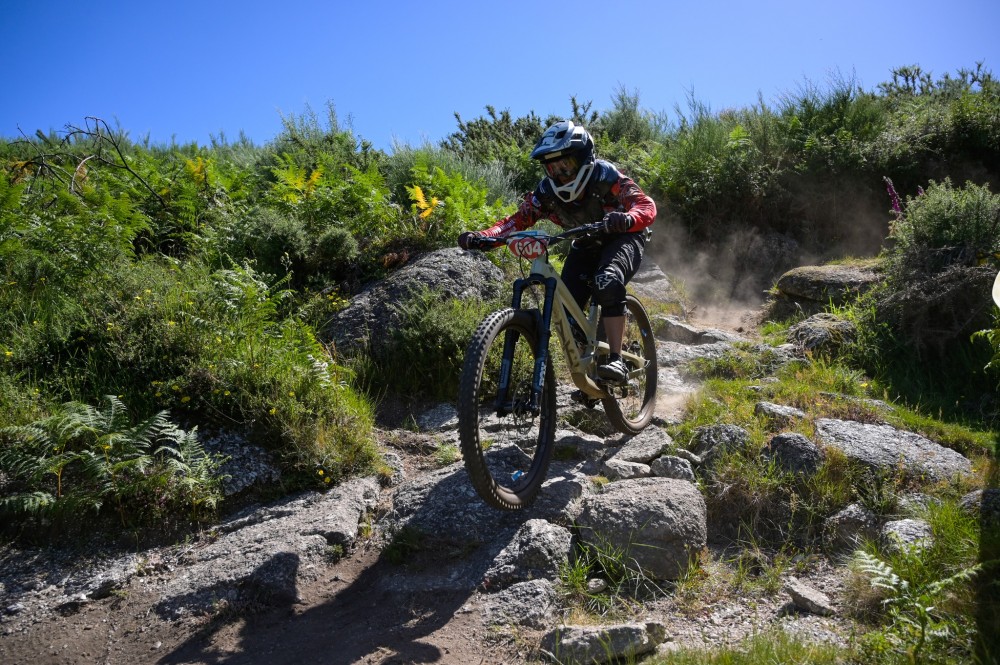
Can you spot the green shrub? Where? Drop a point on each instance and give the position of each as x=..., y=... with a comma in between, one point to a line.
x=332, y=254
x=426, y=350
x=85, y=460
x=943, y=226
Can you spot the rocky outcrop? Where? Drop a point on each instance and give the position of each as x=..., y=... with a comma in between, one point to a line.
x=821, y=285
x=885, y=448
x=453, y=273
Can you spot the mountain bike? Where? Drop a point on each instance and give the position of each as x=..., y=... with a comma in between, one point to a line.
x=507, y=390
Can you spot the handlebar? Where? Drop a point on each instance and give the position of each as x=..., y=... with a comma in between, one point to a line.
x=585, y=231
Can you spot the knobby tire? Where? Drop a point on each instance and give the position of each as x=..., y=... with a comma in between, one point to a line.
x=507, y=457
x=630, y=409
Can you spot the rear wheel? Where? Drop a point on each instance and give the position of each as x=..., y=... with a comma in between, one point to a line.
x=506, y=447
x=631, y=405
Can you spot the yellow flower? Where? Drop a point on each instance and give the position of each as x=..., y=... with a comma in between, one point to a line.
x=291, y=393
x=8, y=353
x=176, y=388
x=327, y=479
x=158, y=394
x=320, y=472
x=273, y=411
x=171, y=323
x=185, y=399
x=226, y=393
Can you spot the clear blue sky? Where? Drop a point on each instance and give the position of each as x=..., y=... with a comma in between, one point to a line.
x=399, y=70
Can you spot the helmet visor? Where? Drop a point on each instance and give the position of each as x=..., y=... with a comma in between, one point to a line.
x=564, y=169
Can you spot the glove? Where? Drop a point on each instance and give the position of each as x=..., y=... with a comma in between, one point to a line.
x=468, y=240
x=618, y=222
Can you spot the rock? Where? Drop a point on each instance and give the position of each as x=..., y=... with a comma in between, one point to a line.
x=617, y=469
x=822, y=284
x=532, y=603
x=915, y=503
x=539, y=549
x=674, y=329
x=443, y=416
x=906, y=533
x=822, y=333
x=710, y=441
x=670, y=466
x=984, y=505
x=645, y=446
x=395, y=462
x=883, y=448
x=849, y=528
x=658, y=522
x=245, y=465
x=651, y=282
x=602, y=644
x=808, y=599
x=274, y=582
x=452, y=272
x=794, y=453
x=258, y=554
x=777, y=414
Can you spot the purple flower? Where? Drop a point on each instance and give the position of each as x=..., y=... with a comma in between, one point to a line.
x=896, y=207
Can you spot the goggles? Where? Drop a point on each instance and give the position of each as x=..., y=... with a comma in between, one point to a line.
x=564, y=169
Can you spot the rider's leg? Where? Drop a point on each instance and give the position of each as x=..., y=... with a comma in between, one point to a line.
x=619, y=263
x=614, y=328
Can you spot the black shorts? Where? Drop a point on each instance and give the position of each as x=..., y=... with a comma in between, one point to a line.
x=603, y=266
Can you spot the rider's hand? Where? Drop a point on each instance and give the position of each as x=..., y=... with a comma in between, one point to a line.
x=468, y=240
x=618, y=222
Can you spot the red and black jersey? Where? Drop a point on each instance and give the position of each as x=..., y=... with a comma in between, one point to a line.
x=607, y=191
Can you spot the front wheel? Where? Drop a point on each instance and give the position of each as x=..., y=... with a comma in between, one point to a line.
x=631, y=405
x=506, y=445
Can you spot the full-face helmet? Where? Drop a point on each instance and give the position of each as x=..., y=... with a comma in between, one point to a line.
x=566, y=151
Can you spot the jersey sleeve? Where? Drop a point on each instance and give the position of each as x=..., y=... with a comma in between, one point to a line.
x=635, y=202
x=527, y=215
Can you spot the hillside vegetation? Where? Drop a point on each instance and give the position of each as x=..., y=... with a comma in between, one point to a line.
x=151, y=290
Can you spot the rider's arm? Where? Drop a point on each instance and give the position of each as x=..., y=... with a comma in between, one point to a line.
x=528, y=213
x=635, y=202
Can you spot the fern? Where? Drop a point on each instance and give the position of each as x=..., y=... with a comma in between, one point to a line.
x=83, y=457
x=912, y=606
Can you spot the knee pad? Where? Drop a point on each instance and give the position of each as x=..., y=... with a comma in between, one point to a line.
x=610, y=285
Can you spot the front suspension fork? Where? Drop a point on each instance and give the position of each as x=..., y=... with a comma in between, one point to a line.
x=543, y=327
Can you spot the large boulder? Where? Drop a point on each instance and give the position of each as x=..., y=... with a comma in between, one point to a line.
x=837, y=283
x=885, y=448
x=659, y=523
x=452, y=272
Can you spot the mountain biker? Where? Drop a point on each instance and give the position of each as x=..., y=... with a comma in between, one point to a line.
x=579, y=189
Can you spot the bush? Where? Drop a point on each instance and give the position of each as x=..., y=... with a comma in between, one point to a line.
x=84, y=460
x=426, y=350
x=941, y=227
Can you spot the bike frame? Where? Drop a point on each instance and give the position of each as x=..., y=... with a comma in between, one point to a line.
x=558, y=310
